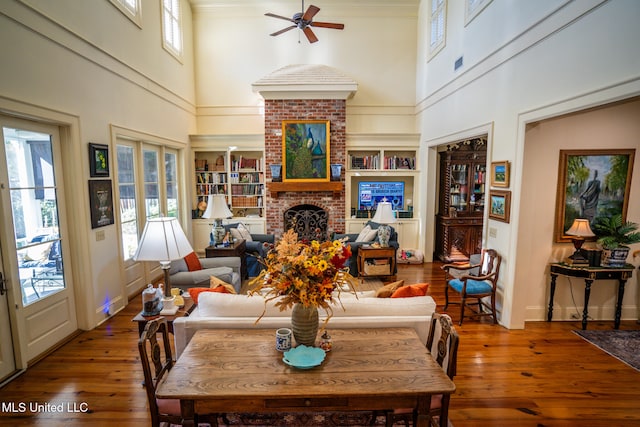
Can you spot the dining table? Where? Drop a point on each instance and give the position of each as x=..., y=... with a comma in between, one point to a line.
x=367, y=369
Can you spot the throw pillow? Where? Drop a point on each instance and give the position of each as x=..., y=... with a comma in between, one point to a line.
x=244, y=232
x=235, y=233
x=387, y=290
x=214, y=282
x=193, y=263
x=417, y=290
x=195, y=292
x=367, y=234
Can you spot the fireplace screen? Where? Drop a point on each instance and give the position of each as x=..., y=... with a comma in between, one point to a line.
x=309, y=221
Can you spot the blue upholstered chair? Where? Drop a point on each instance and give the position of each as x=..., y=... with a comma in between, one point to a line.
x=479, y=284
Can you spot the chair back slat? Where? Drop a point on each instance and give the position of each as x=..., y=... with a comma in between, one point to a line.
x=442, y=343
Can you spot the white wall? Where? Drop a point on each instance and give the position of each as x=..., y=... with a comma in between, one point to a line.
x=582, y=54
x=85, y=66
x=376, y=49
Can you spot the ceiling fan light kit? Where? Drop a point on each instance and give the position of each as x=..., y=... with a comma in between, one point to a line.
x=304, y=21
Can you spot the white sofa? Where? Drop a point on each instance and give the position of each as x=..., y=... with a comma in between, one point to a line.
x=232, y=311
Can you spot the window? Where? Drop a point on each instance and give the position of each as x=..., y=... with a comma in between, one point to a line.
x=473, y=9
x=130, y=9
x=151, y=183
x=170, y=167
x=438, y=23
x=140, y=176
x=128, y=206
x=172, y=27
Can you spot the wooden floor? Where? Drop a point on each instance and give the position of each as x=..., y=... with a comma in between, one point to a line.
x=543, y=375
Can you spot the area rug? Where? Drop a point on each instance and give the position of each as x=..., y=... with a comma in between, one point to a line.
x=623, y=345
x=283, y=419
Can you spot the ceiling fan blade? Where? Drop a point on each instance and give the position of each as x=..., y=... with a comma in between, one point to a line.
x=310, y=36
x=273, y=15
x=310, y=13
x=284, y=30
x=327, y=25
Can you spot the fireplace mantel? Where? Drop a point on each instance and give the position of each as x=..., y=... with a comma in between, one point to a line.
x=283, y=187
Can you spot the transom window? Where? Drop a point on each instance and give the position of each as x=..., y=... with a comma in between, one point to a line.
x=438, y=26
x=130, y=9
x=172, y=27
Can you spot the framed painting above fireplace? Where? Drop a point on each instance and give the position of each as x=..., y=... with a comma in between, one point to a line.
x=305, y=151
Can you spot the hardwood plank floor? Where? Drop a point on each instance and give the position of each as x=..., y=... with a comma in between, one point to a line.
x=544, y=375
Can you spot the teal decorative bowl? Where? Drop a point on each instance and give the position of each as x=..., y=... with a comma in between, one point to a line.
x=303, y=357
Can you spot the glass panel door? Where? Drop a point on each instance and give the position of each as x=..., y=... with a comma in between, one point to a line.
x=34, y=206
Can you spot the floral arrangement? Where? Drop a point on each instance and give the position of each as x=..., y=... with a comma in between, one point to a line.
x=304, y=272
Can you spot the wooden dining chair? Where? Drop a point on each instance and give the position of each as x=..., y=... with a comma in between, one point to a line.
x=474, y=286
x=155, y=366
x=157, y=361
x=442, y=343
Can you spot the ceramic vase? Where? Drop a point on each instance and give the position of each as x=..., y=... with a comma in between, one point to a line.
x=304, y=324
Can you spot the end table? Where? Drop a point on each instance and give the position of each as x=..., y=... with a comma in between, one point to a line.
x=184, y=311
x=387, y=254
x=238, y=248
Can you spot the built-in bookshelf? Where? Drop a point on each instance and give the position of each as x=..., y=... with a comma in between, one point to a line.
x=381, y=160
x=237, y=175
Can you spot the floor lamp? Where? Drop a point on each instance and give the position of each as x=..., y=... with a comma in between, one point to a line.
x=163, y=240
x=218, y=210
x=384, y=216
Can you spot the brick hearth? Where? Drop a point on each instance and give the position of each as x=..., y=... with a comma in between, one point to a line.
x=277, y=110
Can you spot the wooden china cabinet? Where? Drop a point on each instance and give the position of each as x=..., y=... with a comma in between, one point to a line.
x=463, y=170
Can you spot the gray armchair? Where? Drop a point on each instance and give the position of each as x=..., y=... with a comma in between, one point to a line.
x=353, y=261
x=226, y=269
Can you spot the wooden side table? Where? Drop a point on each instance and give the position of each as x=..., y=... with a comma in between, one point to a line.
x=184, y=311
x=238, y=248
x=589, y=274
x=369, y=253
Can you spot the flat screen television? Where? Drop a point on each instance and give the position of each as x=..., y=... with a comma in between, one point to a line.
x=370, y=193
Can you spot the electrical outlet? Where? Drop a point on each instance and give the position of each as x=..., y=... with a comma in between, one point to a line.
x=493, y=232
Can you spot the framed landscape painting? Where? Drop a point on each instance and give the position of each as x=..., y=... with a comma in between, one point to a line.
x=500, y=174
x=500, y=205
x=305, y=151
x=592, y=184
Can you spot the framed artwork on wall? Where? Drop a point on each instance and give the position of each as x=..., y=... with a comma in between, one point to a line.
x=305, y=151
x=499, y=205
x=500, y=174
x=591, y=184
x=101, y=200
x=98, y=160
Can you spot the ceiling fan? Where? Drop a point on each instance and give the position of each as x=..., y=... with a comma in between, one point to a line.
x=304, y=21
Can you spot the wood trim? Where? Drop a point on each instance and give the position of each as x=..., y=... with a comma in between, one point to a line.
x=283, y=187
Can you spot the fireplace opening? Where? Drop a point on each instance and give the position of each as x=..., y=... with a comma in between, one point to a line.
x=308, y=221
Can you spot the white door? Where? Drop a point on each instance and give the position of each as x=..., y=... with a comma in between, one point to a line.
x=34, y=237
x=7, y=359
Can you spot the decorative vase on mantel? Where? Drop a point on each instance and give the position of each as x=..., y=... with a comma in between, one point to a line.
x=304, y=324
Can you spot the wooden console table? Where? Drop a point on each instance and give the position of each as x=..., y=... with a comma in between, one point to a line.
x=183, y=311
x=589, y=274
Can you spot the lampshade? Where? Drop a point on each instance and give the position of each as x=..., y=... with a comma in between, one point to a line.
x=581, y=228
x=217, y=207
x=384, y=214
x=162, y=240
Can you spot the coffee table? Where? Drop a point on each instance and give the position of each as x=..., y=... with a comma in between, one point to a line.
x=239, y=370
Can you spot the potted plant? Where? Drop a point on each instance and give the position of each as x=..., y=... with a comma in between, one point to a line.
x=614, y=235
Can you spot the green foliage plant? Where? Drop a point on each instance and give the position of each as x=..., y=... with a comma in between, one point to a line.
x=614, y=233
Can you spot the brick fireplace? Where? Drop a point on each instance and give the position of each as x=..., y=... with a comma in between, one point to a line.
x=305, y=92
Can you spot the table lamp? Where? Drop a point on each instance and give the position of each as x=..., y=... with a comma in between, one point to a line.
x=384, y=216
x=218, y=210
x=578, y=231
x=163, y=240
